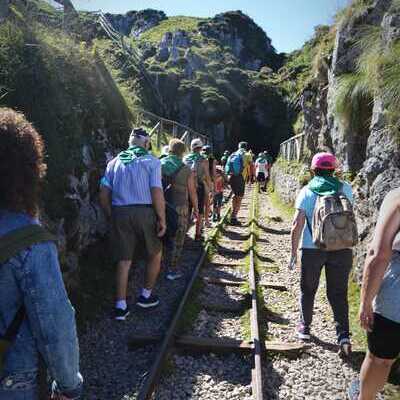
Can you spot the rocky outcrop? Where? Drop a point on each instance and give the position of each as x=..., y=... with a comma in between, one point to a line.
x=370, y=152
x=247, y=40
x=134, y=23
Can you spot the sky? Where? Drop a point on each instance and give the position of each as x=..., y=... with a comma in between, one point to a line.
x=289, y=23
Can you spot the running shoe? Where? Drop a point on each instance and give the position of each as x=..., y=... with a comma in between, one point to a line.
x=173, y=276
x=120, y=314
x=152, y=301
x=303, y=332
x=353, y=392
x=345, y=347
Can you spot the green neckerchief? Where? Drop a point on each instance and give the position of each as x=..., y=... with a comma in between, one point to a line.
x=194, y=157
x=261, y=160
x=131, y=154
x=170, y=164
x=325, y=185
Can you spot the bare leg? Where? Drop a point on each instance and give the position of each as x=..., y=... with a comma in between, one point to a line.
x=152, y=270
x=122, y=278
x=199, y=224
x=373, y=376
x=236, y=203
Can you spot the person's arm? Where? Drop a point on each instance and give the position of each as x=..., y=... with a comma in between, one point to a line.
x=157, y=196
x=51, y=318
x=379, y=255
x=295, y=235
x=193, y=193
x=105, y=200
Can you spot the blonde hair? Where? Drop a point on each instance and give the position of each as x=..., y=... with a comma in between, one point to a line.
x=177, y=147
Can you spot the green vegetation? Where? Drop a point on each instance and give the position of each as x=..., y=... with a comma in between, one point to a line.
x=285, y=210
x=67, y=92
x=358, y=334
x=172, y=24
x=352, y=11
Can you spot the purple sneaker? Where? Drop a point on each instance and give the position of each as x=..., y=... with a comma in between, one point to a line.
x=303, y=332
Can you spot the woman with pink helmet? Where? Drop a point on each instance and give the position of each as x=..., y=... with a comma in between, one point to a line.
x=314, y=256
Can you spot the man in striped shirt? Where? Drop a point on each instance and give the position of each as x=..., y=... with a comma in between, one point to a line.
x=131, y=195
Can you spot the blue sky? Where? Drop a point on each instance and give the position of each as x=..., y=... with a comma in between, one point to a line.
x=289, y=23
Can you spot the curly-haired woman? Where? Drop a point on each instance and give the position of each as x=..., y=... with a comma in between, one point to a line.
x=31, y=280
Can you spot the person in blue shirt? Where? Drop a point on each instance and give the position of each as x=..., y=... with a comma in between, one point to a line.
x=32, y=277
x=337, y=264
x=131, y=195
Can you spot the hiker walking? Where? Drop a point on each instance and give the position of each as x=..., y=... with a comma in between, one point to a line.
x=219, y=184
x=207, y=154
x=37, y=321
x=131, y=195
x=262, y=172
x=180, y=186
x=325, y=218
x=380, y=302
x=200, y=167
x=224, y=158
x=236, y=168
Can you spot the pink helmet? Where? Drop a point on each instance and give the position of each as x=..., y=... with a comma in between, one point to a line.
x=324, y=161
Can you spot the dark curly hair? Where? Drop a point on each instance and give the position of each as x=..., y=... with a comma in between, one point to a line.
x=22, y=166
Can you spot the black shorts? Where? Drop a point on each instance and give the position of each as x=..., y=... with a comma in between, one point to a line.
x=261, y=177
x=218, y=197
x=237, y=184
x=384, y=340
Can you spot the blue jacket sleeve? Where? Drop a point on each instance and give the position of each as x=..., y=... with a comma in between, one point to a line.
x=52, y=318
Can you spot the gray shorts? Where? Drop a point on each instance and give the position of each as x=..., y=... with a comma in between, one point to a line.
x=134, y=228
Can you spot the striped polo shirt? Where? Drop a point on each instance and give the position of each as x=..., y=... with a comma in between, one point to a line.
x=130, y=184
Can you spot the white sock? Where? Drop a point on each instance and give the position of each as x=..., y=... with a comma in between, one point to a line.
x=146, y=293
x=121, y=304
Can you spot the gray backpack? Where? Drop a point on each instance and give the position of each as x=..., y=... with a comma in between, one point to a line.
x=334, y=224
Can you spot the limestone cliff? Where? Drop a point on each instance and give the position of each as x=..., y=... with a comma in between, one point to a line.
x=346, y=100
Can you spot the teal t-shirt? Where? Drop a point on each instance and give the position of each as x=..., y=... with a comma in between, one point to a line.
x=306, y=201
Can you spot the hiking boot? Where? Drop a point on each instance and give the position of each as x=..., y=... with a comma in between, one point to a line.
x=173, y=276
x=152, y=301
x=235, y=221
x=345, y=347
x=303, y=332
x=120, y=314
x=353, y=392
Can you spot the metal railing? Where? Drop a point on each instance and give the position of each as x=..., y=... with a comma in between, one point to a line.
x=293, y=148
x=164, y=128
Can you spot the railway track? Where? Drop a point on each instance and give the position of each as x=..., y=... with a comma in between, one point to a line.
x=226, y=266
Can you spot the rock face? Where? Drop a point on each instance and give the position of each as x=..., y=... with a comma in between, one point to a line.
x=134, y=23
x=247, y=40
x=370, y=152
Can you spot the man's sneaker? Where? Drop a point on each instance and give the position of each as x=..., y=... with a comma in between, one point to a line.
x=150, y=302
x=345, y=347
x=173, y=276
x=120, y=314
x=303, y=332
x=353, y=392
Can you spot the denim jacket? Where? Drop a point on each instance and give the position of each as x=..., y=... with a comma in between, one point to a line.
x=33, y=277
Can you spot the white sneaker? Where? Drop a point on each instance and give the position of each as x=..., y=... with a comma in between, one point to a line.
x=173, y=276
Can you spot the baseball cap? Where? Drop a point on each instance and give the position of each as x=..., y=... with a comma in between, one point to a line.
x=325, y=161
x=196, y=144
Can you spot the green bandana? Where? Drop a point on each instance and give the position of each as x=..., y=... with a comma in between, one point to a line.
x=325, y=185
x=131, y=154
x=261, y=160
x=194, y=157
x=170, y=164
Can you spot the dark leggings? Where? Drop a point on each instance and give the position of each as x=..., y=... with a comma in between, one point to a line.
x=338, y=265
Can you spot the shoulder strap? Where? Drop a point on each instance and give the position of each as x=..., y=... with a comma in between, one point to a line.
x=15, y=241
x=175, y=174
x=10, y=245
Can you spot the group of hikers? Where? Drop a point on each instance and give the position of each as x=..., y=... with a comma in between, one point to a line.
x=150, y=203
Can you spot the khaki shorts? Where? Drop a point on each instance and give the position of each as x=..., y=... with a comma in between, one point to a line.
x=134, y=228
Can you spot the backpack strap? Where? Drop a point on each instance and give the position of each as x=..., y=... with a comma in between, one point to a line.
x=10, y=245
